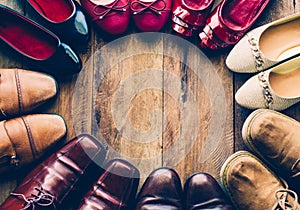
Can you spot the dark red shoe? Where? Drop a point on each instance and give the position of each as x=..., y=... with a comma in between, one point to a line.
x=201, y=191
x=161, y=190
x=38, y=45
x=64, y=17
x=112, y=18
x=229, y=21
x=150, y=15
x=60, y=177
x=115, y=189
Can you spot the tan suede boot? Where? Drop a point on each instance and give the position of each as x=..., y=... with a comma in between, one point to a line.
x=275, y=138
x=252, y=186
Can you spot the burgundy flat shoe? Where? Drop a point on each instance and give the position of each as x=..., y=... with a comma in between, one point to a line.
x=60, y=177
x=193, y=12
x=115, y=189
x=161, y=190
x=64, y=17
x=111, y=16
x=201, y=191
x=229, y=21
x=150, y=15
x=36, y=44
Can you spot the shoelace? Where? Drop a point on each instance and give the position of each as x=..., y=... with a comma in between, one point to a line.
x=293, y=169
x=283, y=202
x=108, y=9
x=152, y=6
x=41, y=199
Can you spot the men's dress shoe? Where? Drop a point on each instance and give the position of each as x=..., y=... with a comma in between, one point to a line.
x=115, y=189
x=251, y=185
x=266, y=46
x=112, y=16
x=201, y=191
x=192, y=12
x=229, y=21
x=162, y=190
x=64, y=17
x=37, y=44
x=55, y=182
x=18, y=91
x=276, y=88
x=26, y=139
x=275, y=138
x=150, y=15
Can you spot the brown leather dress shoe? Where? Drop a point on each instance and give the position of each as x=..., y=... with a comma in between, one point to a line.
x=201, y=191
x=115, y=189
x=60, y=177
x=253, y=186
x=21, y=91
x=161, y=191
x=26, y=139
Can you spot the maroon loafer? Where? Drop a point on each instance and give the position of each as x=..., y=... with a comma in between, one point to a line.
x=60, y=177
x=161, y=190
x=112, y=18
x=150, y=15
x=201, y=191
x=36, y=44
x=229, y=21
x=115, y=189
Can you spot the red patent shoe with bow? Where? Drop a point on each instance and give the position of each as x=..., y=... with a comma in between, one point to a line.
x=111, y=16
x=150, y=15
x=229, y=21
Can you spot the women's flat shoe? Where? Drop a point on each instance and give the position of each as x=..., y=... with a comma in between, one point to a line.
x=229, y=21
x=192, y=12
x=112, y=16
x=64, y=17
x=161, y=190
x=276, y=88
x=18, y=91
x=58, y=181
x=266, y=46
x=26, y=139
x=202, y=191
x=150, y=15
x=115, y=189
x=38, y=45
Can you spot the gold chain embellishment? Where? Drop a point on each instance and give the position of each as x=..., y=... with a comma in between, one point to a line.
x=266, y=90
x=259, y=62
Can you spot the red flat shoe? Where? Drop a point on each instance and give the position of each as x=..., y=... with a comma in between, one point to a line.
x=111, y=16
x=181, y=27
x=230, y=20
x=150, y=15
x=193, y=12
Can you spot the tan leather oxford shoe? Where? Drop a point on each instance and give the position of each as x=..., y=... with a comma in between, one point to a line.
x=21, y=91
x=25, y=139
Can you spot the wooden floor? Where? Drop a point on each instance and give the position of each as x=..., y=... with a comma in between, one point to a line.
x=150, y=108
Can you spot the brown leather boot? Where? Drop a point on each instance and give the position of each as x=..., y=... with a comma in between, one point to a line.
x=276, y=139
x=25, y=139
x=251, y=185
x=21, y=91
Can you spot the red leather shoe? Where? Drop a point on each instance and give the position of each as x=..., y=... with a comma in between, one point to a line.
x=115, y=189
x=150, y=15
x=229, y=21
x=38, y=45
x=60, y=177
x=112, y=17
x=64, y=17
x=181, y=27
x=193, y=12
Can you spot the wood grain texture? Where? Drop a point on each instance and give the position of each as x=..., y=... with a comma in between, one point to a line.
x=151, y=108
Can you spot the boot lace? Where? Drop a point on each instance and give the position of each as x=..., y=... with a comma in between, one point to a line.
x=284, y=200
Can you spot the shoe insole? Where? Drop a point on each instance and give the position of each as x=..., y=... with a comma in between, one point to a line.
x=54, y=10
x=281, y=41
x=197, y=4
x=239, y=14
x=26, y=38
x=286, y=84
